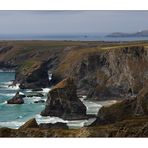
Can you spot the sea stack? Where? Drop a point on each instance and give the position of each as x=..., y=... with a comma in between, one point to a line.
x=17, y=99
x=63, y=101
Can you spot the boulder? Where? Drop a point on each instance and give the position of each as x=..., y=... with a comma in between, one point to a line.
x=37, y=89
x=58, y=125
x=17, y=99
x=39, y=101
x=63, y=101
x=30, y=124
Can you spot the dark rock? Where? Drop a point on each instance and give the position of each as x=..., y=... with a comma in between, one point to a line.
x=32, y=74
x=5, y=49
x=39, y=101
x=106, y=74
x=17, y=99
x=116, y=112
x=63, y=101
x=58, y=125
x=35, y=95
x=29, y=124
x=5, y=132
x=125, y=109
x=142, y=101
x=37, y=89
x=134, y=127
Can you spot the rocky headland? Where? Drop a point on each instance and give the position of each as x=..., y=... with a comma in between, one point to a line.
x=99, y=70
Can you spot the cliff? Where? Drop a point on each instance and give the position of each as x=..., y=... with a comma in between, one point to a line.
x=99, y=70
x=106, y=73
x=102, y=70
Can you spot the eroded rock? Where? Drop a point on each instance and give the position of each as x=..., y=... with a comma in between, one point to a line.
x=17, y=99
x=58, y=125
x=63, y=101
x=29, y=124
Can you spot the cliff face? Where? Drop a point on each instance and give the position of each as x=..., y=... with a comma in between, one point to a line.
x=108, y=73
x=32, y=74
x=101, y=70
x=125, y=109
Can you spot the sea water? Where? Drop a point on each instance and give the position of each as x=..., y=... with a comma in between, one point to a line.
x=72, y=37
x=15, y=115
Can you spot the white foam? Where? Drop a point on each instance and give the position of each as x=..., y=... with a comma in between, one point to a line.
x=49, y=76
x=92, y=107
x=16, y=87
x=46, y=90
x=73, y=124
x=31, y=100
x=11, y=124
x=8, y=95
x=28, y=90
x=21, y=93
x=7, y=83
x=5, y=102
x=1, y=70
x=80, y=123
x=48, y=119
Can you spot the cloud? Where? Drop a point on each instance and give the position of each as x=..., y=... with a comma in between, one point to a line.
x=57, y=22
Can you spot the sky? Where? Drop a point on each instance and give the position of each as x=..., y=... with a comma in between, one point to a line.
x=65, y=22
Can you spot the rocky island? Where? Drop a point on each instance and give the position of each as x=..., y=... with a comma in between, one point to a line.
x=98, y=70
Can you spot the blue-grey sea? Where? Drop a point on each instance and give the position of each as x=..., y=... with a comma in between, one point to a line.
x=73, y=37
x=14, y=115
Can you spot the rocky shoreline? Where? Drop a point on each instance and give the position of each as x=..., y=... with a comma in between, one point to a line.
x=101, y=71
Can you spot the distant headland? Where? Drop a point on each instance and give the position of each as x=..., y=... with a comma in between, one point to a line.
x=143, y=33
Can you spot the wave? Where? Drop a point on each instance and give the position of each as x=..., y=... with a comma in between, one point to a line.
x=7, y=83
x=46, y=90
x=91, y=107
x=8, y=86
x=10, y=70
x=48, y=119
x=73, y=124
x=5, y=102
x=16, y=87
x=7, y=94
x=12, y=124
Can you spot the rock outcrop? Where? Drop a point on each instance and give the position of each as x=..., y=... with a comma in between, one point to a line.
x=57, y=125
x=39, y=101
x=107, y=73
x=126, y=109
x=63, y=101
x=32, y=74
x=134, y=127
x=17, y=99
x=29, y=124
x=35, y=95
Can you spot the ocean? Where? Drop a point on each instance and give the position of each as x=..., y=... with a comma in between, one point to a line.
x=71, y=37
x=14, y=115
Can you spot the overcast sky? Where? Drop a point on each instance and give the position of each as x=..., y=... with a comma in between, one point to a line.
x=59, y=22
